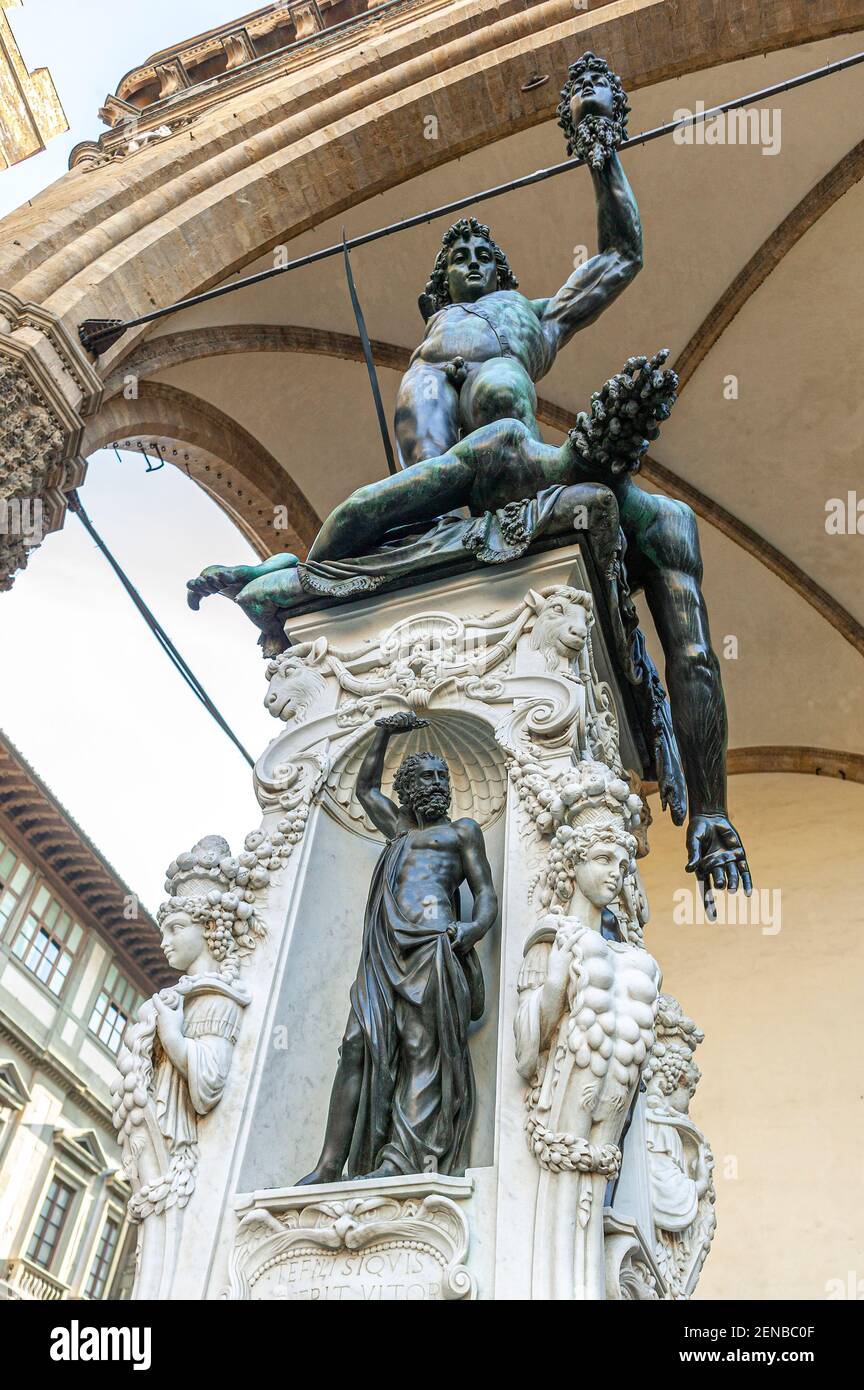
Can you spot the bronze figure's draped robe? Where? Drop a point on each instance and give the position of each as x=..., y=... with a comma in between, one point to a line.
x=403, y=1096
x=410, y=983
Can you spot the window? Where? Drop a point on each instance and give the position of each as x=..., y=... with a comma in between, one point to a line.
x=104, y=1255
x=49, y=1227
x=116, y=1004
x=14, y=877
x=47, y=941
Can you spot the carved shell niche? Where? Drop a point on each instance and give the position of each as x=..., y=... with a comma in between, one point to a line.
x=478, y=773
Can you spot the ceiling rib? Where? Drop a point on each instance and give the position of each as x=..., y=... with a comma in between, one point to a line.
x=814, y=205
x=816, y=762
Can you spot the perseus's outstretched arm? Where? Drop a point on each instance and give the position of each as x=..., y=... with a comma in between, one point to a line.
x=594, y=286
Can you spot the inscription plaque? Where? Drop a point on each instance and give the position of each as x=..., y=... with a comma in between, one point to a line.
x=375, y=1249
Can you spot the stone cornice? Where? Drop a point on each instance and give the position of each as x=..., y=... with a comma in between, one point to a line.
x=133, y=127
x=55, y=1069
x=50, y=838
x=65, y=374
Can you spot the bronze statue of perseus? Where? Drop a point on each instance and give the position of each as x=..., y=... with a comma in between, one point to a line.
x=403, y=1097
x=468, y=438
x=486, y=344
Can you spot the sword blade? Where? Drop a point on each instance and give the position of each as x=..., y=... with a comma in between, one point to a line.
x=370, y=361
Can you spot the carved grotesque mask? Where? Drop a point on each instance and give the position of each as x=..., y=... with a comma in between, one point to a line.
x=562, y=626
x=292, y=689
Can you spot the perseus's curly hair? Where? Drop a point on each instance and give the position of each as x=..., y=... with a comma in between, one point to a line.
x=404, y=779
x=437, y=290
x=621, y=110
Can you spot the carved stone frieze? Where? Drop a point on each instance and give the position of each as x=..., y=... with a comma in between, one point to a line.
x=46, y=386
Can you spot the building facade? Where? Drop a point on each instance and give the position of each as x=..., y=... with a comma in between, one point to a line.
x=77, y=956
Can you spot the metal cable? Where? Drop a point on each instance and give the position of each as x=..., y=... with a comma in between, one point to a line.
x=156, y=628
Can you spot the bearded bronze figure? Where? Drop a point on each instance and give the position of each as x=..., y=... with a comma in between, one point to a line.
x=403, y=1097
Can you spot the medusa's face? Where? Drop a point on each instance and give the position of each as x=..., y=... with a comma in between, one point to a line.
x=592, y=95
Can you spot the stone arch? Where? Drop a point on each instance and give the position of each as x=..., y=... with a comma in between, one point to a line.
x=793, y=758
x=193, y=345
x=121, y=233
x=231, y=465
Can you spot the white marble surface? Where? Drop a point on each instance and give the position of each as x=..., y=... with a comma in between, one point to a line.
x=271, y=1119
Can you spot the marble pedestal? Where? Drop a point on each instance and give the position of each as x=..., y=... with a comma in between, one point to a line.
x=487, y=658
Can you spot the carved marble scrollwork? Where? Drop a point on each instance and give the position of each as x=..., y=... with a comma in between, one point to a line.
x=459, y=671
x=514, y=696
x=632, y=1274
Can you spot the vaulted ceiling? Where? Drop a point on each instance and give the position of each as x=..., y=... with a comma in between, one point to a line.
x=749, y=273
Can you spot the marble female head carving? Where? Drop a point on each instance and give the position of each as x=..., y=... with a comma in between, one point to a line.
x=209, y=922
x=184, y=943
x=593, y=851
x=672, y=1074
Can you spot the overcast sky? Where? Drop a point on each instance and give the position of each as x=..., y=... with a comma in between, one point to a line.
x=86, y=693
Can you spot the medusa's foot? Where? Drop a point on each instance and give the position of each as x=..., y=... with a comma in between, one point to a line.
x=218, y=579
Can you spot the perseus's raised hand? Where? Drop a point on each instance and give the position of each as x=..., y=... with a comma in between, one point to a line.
x=717, y=858
x=403, y=722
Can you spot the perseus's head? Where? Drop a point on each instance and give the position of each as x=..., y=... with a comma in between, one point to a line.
x=469, y=265
x=592, y=89
x=423, y=785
